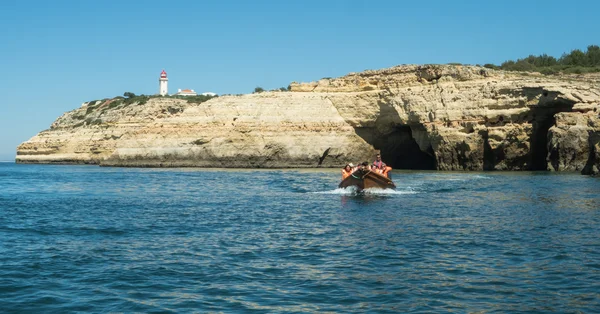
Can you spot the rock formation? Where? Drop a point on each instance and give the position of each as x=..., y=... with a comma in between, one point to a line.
x=441, y=117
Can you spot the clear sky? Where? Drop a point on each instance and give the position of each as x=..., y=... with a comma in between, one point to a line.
x=57, y=54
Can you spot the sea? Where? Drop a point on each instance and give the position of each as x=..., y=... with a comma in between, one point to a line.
x=97, y=239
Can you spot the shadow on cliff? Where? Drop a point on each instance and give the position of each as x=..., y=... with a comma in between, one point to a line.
x=542, y=119
x=399, y=143
x=398, y=147
x=592, y=165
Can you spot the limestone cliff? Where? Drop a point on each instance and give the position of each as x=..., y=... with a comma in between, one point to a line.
x=420, y=117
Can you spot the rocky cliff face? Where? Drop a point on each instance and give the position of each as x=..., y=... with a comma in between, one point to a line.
x=419, y=117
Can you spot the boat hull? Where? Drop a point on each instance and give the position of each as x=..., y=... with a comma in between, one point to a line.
x=365, y=179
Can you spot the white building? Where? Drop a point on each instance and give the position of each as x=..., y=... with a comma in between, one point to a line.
x=163, y=89
x=209, y=94
x=186, y=92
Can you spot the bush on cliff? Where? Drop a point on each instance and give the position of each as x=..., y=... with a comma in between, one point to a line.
x=576, y=61
x=92, y=121
x=199, y=99
x=141, y=99
x=194, y=99
x=122, y=102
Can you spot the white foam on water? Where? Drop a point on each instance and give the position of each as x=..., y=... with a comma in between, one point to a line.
x=353, y=190
x=339, y=191
x=466, y=178
x=387, y=192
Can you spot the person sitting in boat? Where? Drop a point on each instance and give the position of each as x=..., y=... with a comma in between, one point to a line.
x=347, y=170
x=380, y=166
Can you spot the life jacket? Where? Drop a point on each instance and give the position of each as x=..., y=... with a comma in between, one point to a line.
x=379, y=164
x=346, y=174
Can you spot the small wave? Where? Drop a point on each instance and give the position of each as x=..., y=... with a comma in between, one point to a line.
x=353, y=191
x=459, y=177
x=447, y=189
x=388, y=192
x=340, y=191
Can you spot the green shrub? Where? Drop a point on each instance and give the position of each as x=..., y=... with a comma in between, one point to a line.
x=576, y=61
x=575, y=70
x=140, y=100
x=198, y=99
x=549, y=71
x=89, y=109
x=259, y=89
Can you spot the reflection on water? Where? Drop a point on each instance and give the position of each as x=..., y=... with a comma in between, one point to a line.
x=89, y=239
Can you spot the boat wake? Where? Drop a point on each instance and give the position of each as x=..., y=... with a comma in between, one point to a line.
x=387, y=192
x=352, y=190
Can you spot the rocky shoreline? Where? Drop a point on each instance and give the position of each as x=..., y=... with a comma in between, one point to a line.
x=434, y=117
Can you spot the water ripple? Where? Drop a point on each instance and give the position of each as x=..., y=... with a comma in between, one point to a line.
x=89, y=239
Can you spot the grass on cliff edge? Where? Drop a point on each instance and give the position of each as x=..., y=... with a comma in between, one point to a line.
x=96, y=108
x=131, y=98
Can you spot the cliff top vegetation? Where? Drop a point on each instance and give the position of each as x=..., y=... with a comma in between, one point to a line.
x=576, y=61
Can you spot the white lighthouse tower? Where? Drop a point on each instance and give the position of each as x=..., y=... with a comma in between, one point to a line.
x=163, y=90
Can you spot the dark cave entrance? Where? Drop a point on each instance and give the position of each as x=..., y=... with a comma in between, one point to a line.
x=543, y=119
x=489, y=157
x=542, y=122
x=399, y=149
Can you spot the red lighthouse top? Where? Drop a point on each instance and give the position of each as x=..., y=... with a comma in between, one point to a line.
x=163, y=74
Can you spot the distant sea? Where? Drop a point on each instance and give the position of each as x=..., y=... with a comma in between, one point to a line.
x=93, y=239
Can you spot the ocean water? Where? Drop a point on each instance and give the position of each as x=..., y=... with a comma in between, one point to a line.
x=92, y=239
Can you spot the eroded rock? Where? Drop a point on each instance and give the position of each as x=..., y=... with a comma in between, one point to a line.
x=420, y=117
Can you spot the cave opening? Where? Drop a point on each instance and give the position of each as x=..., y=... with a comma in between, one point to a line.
x=543, y=120
x=399, y=149
x=539, y=141
x=489, y=158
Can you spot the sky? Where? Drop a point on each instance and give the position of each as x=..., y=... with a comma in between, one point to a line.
x=55, y=55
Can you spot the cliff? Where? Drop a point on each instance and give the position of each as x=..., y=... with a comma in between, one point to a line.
x=420, y=117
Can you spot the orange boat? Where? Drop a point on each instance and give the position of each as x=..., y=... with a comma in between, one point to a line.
x=366, y=179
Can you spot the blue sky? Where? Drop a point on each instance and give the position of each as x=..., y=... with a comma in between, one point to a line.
x=57, y=54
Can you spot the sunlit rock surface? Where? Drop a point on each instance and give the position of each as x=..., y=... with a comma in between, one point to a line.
x=420, y=117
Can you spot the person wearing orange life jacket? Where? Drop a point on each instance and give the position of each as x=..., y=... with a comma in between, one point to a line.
x=347, y=170
x=380, y=166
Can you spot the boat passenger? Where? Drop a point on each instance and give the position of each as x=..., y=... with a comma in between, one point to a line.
x=347, y=170
x=380, y=166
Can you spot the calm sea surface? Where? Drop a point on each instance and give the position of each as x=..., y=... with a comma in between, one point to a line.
x=91, y=239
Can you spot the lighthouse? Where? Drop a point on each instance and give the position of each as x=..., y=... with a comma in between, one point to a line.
x=163, y=90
